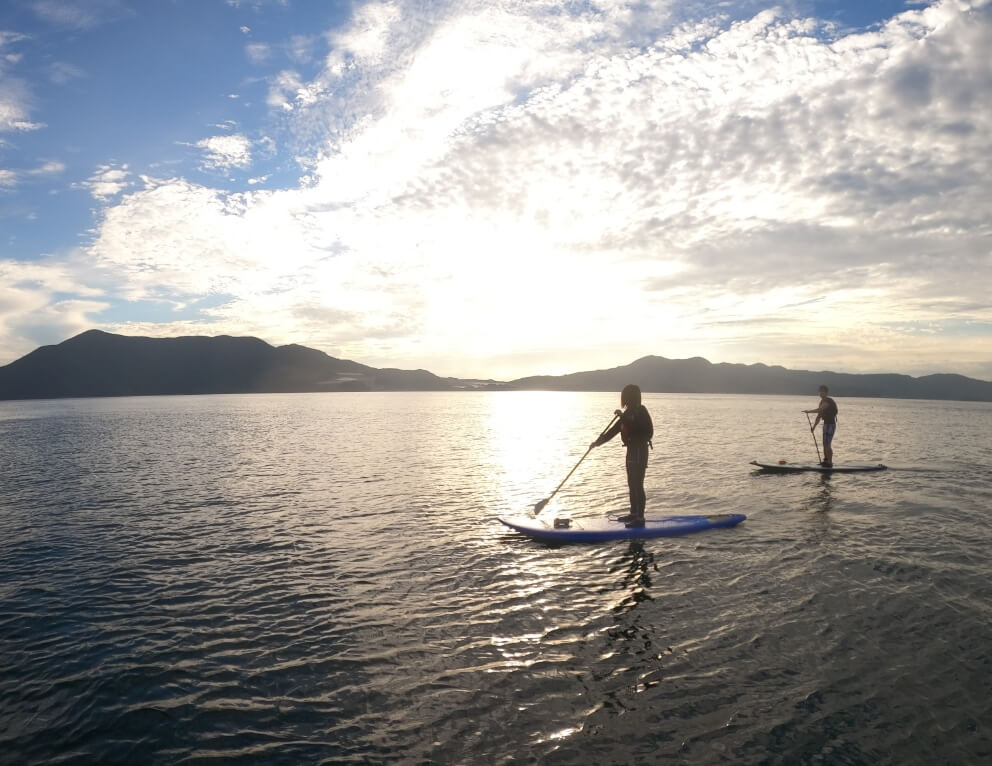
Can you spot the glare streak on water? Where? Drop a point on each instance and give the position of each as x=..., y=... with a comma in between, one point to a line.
x=322, y=578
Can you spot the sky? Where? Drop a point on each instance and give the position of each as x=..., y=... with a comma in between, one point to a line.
x=501, y=188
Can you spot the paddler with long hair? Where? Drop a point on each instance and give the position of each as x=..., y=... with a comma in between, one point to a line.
x=636, y=430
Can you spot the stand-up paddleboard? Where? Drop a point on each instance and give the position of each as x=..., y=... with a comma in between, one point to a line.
x=599, y=529
x=836, y=468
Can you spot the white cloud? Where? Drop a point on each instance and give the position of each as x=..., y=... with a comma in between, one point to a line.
x=11, y=178
x=16, y=104
x=225, y=152
x=173, y=237
x=519, y=182
x=16, y=99
x=107, y=182
x=366, y=39
x=287, y=91
x=32, y=314
x=52, y=167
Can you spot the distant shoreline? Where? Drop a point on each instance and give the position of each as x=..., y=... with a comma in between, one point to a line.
x=97, y=364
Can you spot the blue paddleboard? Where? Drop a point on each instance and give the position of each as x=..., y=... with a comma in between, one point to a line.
x=836, y=468
x=600, y=529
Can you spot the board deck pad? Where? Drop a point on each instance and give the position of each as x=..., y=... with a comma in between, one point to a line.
x=835, y=468
x=596, y=530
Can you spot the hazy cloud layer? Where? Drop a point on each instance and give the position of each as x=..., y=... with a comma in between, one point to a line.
x=500, y=190
x=79, y=14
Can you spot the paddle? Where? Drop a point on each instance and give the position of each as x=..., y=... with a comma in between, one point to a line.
x=539, y=505
x=813, y=434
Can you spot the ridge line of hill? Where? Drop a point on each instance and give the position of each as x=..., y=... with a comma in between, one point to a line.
x=97, y=363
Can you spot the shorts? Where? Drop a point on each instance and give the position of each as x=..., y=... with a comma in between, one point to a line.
x=829, y=429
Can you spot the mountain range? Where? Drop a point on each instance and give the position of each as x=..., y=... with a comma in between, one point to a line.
x=97, y=363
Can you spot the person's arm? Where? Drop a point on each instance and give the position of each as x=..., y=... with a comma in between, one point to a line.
x=819, y=412
x=614, y=430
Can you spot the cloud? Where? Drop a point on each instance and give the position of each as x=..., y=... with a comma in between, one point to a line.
x=64, y=13
x=225, y=152
x=177, y=238
x=258, y=53
x=7, y=37
x=300, y=48
x=33, y=309
x=16, y=103
x=287, y=88
x=255, y=3
x=62, y=72
x=11, y=178
x=107, y=182
x=16, y=100
x=80, y=14
x=52, y=167
x=599, y=185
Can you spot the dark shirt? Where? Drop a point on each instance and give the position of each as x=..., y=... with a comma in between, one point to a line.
x=828, y=411
x=634, y=427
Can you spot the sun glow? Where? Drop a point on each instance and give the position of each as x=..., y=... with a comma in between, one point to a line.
x=524, y=436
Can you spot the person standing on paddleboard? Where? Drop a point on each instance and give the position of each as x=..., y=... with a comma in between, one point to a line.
x=827, y=412
x=636, y=430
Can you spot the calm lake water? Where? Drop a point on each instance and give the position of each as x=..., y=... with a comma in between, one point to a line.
x=322, y=578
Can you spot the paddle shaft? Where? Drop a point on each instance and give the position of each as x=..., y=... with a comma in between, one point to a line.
x=541, y=503
x=813, y=434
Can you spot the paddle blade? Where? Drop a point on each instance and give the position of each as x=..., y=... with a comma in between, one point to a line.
x=539, y=505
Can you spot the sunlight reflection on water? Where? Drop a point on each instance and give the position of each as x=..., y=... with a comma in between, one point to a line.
x=323, y=578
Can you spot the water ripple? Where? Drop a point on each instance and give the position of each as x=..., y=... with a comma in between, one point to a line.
x=187, y=579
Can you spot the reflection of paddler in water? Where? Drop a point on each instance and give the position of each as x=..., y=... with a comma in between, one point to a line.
x=823, y=499
x=636, y=430
x=636, y=578
x=635, y=586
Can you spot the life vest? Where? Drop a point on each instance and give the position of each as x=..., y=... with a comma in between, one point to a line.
x=639, y=430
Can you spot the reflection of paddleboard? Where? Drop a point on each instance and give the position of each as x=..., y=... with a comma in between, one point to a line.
x=836, y=468
x=598, y=530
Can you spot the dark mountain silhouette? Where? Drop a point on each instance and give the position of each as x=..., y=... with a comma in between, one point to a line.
x=97, y=363
x=660, y=375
